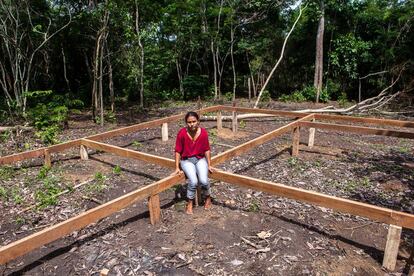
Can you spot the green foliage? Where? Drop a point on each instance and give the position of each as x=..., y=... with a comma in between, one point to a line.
x=117, y=170
x=110, y=117
x=265, y=98
x=228, y=96
x=306, y=94
x=47, y=195
x=254, y=206
x=137, y=144
x=99, y=184
x=48, y=119
x=20, y=220
x=3, y=193
x=6, y=172
x=15, y=196
x=5, y=136
x=242, y=124
x=43, y=172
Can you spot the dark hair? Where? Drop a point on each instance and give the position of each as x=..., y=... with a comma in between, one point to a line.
x=191, y=114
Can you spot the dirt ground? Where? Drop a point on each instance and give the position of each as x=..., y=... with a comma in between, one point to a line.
x=246, y=231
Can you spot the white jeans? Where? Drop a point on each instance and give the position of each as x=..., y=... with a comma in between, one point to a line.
x=196, y=171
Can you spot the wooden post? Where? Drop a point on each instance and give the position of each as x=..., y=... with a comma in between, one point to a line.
x=104, y=272
x=48, y=159
x=164, y=132
x=154, y=208
x=311, y=140
x=391, y=249
x=83, y=152
x=295, y=141
x=234, y=120
x=219, y=121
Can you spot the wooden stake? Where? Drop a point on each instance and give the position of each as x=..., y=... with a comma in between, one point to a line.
x=234, y=120
x=311, y=140
x=83, y=152
x=295, y=141
x=219, y=121
x=154, y=209
x=48, y=159
x=104, y=272
x=391, y=249
x=164, y=132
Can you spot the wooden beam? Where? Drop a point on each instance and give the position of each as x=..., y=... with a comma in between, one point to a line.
x=154, y=123
x=164, y=132
x=255, y=142
x=391, y=248
x=385, y=215
x=295, y=141
x=154, y=209
x=74, y=143
x=36, y=240
x=366, y=120
x=360, y=130
x=166, y=162
x=281, y=113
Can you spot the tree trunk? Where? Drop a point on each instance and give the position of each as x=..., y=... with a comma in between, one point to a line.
x=232, y=61
x=111, y=82
x=317, y=81
x=141, y=55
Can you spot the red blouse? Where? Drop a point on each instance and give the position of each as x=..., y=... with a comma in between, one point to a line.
x=188, y=148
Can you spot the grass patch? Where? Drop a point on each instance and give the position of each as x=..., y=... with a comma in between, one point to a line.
x=6, y=173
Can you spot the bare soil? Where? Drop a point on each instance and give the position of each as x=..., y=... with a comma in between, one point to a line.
x=246, y=231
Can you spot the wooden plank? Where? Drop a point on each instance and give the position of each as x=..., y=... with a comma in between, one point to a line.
x=391, y=248
x=360, y=130
x=381, y=214
x=37, y=153
x=255, y=142
x=154, y=209
x=164, y=132
x=48, y=159
x=154, y=123
x=295, y=141
x=166, y=162
x=22, y=156
x=36, y=240
x=282, y=113
x=366, y=120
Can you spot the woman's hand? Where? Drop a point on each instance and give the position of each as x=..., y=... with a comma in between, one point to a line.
x=177, y=172
x=211, y=169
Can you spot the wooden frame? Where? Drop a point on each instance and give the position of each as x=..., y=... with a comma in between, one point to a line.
x=395, y=218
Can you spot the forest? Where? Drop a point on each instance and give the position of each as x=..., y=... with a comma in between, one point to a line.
x=63, y=55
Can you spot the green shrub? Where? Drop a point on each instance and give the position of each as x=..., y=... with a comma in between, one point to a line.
x=265, y=98
x=47, y=195
x=306, y=94
x=228, y=96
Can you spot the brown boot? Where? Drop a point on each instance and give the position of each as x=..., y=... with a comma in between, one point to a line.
x=189, y=207
x=207, y=203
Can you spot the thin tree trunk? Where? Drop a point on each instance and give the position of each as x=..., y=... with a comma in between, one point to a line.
x=232, y=61
x=317, y=81
x=111, y=82
x=65, y=70
x=280, y=58
x=141, y=61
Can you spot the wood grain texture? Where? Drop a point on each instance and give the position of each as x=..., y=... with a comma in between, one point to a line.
x=360, y=130
x=27, y=244
x=385, y=215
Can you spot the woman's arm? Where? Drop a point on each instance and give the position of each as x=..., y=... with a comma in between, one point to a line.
x=177, y=163
x=208, y=157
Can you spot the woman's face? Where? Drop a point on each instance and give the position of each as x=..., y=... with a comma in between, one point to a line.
x=192, y=123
